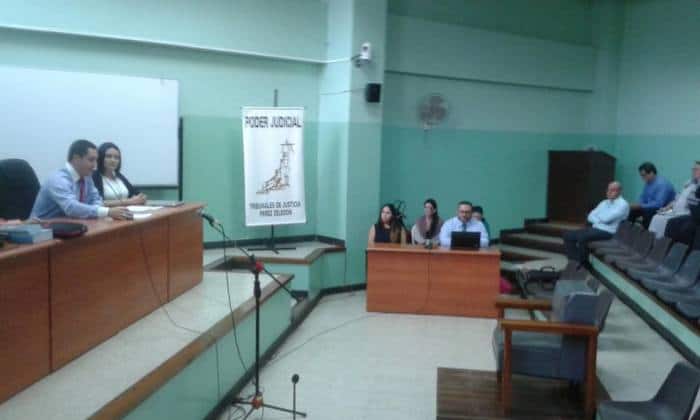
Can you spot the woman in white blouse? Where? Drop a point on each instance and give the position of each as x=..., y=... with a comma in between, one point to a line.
x=114, y=188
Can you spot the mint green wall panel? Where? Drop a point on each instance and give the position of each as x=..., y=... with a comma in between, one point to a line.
x=559, y=20
x=660, y=68
x=364, y=182
x=333, y=270
x=301, y=272
x=281, y=27
x=425, y=47
x=332, y=179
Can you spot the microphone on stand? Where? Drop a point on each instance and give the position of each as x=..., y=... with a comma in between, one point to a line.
x=209, y=218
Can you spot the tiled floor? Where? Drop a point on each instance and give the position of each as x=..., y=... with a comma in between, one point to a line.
x=359, y=365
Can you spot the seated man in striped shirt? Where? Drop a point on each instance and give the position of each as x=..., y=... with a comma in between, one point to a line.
x=604, y=219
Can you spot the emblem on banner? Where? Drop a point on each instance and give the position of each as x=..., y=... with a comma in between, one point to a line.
x=280, y=180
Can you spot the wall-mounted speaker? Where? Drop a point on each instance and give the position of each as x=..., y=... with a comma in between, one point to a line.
x=373, y=92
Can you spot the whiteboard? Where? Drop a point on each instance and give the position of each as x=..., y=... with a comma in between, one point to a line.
x=43, y=111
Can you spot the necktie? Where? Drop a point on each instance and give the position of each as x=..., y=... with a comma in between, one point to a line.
x=464, y=227
x=81, y=185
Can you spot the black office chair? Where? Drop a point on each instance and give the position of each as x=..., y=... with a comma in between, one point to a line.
x=18, y=189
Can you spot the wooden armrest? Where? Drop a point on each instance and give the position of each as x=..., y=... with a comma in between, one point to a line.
x=503, y=302
x=549, y=327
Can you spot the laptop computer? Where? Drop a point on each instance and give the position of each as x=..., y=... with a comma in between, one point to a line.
x=465, y=240
x=164, y=203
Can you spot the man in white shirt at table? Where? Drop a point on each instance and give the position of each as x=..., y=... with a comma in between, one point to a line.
x=605, y=219
x=463, y=222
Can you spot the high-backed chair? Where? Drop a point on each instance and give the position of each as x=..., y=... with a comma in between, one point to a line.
x=564, y=347
x=671, y=263
x=654, y=259
x=625, y=244
x=640, y=249
x=18, y=189
x=686, y=277
x=622, y=235
x=673, y=401
x=626, y=248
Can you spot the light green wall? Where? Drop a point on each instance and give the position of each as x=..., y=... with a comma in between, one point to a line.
x=365, y=137
x=659, y=99
x=560, y=20
x=264, y=26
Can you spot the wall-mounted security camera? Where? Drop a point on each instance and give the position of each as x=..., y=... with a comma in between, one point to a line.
x=365, y=55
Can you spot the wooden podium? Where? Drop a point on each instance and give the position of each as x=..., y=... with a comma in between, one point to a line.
x=577, y=181
x=414, y=280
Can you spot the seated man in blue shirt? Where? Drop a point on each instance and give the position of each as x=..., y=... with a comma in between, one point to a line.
x=70, y=192
x=605, y=219
x=463, y=223
x=657, y=193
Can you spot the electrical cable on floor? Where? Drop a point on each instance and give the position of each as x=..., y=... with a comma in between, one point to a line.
x=281, y=356
x=230, y=305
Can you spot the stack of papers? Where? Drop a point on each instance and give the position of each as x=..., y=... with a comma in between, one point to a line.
x=143, y=209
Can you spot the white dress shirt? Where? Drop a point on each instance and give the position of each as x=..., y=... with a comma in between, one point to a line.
x=608, y=214
x=456, y=225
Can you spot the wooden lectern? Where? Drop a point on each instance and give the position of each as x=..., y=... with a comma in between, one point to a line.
x=577, y=181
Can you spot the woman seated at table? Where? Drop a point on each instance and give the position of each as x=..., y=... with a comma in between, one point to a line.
x=388, y=228
x=113, y=186
x=428, y=226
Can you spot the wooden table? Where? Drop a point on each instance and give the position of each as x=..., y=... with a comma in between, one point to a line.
x=58, y=299
x=412, y=279
x=24, y=316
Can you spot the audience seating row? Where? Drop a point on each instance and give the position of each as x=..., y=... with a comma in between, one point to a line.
x=667, y=270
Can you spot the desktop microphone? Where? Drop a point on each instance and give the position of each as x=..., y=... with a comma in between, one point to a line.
x=209, y=218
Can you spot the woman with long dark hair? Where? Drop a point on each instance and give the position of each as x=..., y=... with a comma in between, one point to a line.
x=114, y=188
x=428, y=226
x=388, y=228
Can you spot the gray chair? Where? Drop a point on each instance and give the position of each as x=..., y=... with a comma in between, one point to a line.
x=640, y=249
x=685, y=278
x=624, y=229
x=689, y=309
x=671, y=263
x=654, y=259
x=673, y=401
x=626, y=244
x=564, y=347
x=691, y=295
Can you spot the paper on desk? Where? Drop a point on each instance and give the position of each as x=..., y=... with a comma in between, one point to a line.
x=141, y=209
x=139, y=216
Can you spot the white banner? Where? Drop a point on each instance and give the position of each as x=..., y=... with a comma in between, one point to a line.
x=273, y=161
